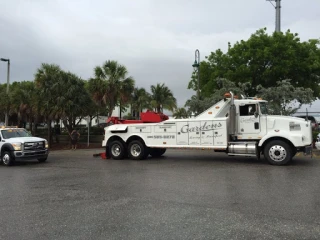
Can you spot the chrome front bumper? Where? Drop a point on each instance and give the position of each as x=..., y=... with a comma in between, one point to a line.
x=20, y=155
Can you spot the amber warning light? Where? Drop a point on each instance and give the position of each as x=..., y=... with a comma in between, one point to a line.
x=227, y=95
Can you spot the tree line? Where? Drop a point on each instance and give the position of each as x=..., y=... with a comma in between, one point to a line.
x=278, y=67
x=56, y=95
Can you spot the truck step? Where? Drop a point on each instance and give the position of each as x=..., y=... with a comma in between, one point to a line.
x=242, y=154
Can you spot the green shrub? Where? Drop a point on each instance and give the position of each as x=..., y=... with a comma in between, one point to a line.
x=314, y=135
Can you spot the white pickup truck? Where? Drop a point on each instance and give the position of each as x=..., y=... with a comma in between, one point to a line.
x=19, y=144
x=234, y=126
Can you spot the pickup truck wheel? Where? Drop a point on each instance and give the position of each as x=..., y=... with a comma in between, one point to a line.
x=157, y=152
x=42, y=159
x=278, y=152
x=7, y=159
x=137, y=150
x=117, y=150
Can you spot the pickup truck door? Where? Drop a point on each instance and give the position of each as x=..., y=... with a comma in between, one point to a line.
x=249, y=119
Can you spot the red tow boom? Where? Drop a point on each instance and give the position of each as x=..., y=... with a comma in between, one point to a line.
x=146, y=117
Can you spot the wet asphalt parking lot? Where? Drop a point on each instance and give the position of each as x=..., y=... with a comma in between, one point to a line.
x=187, y=194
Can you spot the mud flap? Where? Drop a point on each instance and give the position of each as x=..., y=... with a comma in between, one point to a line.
x=308, y=151
x=107, y=153
x=103, y=155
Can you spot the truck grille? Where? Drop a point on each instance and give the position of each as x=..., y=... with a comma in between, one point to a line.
x=33, y=145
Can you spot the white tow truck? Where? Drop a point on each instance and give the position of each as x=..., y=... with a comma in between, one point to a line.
x=234, y=126
x=19, y=144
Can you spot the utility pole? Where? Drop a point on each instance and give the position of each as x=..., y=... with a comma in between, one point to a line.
x=196, y=66
x=278, y=13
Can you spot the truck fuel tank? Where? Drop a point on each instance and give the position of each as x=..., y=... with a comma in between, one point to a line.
x=242, y=148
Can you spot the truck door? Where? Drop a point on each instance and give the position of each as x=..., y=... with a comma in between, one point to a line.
x=248, y=121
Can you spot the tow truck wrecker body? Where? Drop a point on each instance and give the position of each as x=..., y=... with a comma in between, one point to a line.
x=234, y=126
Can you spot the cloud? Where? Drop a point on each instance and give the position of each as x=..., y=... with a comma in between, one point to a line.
x=155, y=40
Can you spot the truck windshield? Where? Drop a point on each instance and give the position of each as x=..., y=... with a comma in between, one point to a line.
x=14, y=133
x=263, y=108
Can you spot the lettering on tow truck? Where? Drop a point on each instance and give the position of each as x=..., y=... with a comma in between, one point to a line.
x=248, y=120
x=204, y=127
x=162, y=136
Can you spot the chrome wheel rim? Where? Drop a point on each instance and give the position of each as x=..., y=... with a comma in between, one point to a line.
x=135, y=150
x=277, y=153
x=6, y=159
x=116, y=150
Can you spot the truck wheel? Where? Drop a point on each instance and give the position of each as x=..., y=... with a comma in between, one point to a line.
x=7, y=159
x=117, y=150
x=137, y=150
x=157, y=152
x=42, y=159
x=278, y=152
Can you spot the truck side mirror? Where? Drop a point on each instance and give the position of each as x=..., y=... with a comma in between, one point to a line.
x=256, y=114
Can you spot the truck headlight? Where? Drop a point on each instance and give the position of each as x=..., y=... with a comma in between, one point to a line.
x=16, y=146
x=46, y=145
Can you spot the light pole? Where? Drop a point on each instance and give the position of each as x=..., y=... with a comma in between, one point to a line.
x=8, y=81
x=278, y=13
x=196, y=67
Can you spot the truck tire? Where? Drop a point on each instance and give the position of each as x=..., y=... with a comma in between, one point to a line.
x=117, y=150
x=157, y=152
x=7, y=159
x=137, y=150
x=278, y=152
x=42, y=159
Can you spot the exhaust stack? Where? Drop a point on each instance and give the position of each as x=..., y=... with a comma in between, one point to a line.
x=232, y=115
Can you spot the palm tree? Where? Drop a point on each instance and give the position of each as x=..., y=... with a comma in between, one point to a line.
x=24, y=102
x=117, y=87
x=126, y=89
x=162, y=98
x=140, y=100
x=97, y=88
x=180, y=113
x=47, y=80
x=4, y=101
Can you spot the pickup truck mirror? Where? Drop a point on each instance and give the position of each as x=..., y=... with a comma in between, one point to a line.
x=256, y=114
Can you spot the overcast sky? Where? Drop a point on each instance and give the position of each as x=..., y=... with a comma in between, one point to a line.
x=154, y=39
